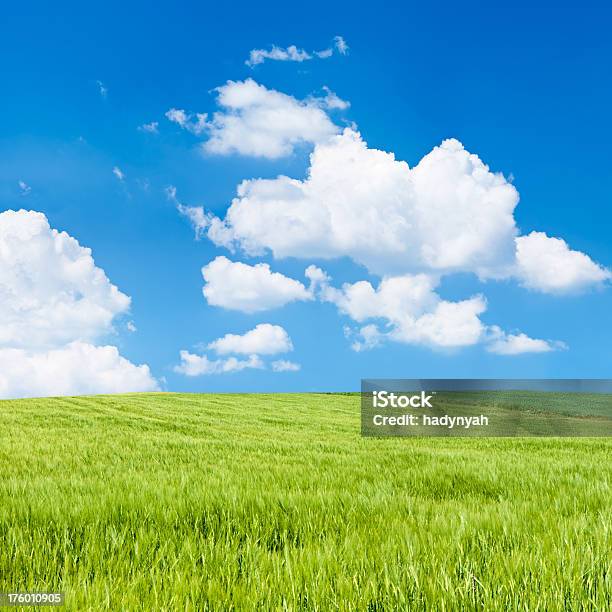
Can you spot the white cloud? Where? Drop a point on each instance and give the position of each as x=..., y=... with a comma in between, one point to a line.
x=151, y=128
x=290, y=54
x=264, y=339
x=51, y=291
x=449, y=213
x=54, y=301
x=410, y=311
x=131, y=327
x=341, y=45
x=263, y=122
x=294, y=54
x=118, y=173
x=332, y=101
x=196, y=124
x=198, y=365
x=367, y=337
x=196, y=215
x=102, y=89
x=75, y=369
x=516, y=344
x=448, y=325
x=548, y=265
x=239, y=286
x=24, y=188
x=324, y=53
x=283, y=365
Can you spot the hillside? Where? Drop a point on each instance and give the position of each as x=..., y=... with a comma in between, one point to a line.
x=195, y=502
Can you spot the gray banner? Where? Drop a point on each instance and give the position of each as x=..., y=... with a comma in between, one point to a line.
x=486, y=407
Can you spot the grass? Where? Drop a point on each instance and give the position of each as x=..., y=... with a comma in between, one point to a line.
x=275, y=502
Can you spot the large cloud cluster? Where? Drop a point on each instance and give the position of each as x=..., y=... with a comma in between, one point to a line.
x=410, y=227
x=54, y=302
x=448, y=214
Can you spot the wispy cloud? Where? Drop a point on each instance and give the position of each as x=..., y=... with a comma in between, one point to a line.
x=150, y=128
x=282, y=365
x=194, y=123
x=119, y=173
x=24, y=188
x=102, y=89
x=340, y=45
x=196, y=215
x=294, y=54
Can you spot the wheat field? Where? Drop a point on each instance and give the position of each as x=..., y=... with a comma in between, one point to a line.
x=275, y=502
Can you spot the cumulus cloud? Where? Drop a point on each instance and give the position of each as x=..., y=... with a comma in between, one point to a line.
x=51, y=291
x=54, y=301
x=264, y=339
x=239, y=286
x=410, y=311
x=264, y=122
x=294, y=54
x=449, y=213
x=282, y=365
x=75, y=369
x=198, y=365
x=151, y=128
x=516, y=344
x=364, y=338
x=548, y=265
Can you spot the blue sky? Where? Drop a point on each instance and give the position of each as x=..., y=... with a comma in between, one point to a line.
x=524, y=88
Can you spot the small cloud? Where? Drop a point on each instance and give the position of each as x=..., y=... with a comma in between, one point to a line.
x=341, y=45
x=238, y=286
x=196, y=215
x=149, y=128
x=131, y=327
x=517, y=344
x=24, y=188
x=194, y=123
x=118, y=173
x=332, y=101
x=283, y=365
x=290, y=54
x=325, y=53
x=199, y=365
x=263, y=339
x=102, y=89
x=293, y=54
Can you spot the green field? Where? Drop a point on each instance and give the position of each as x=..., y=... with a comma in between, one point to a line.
x=275, y=502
